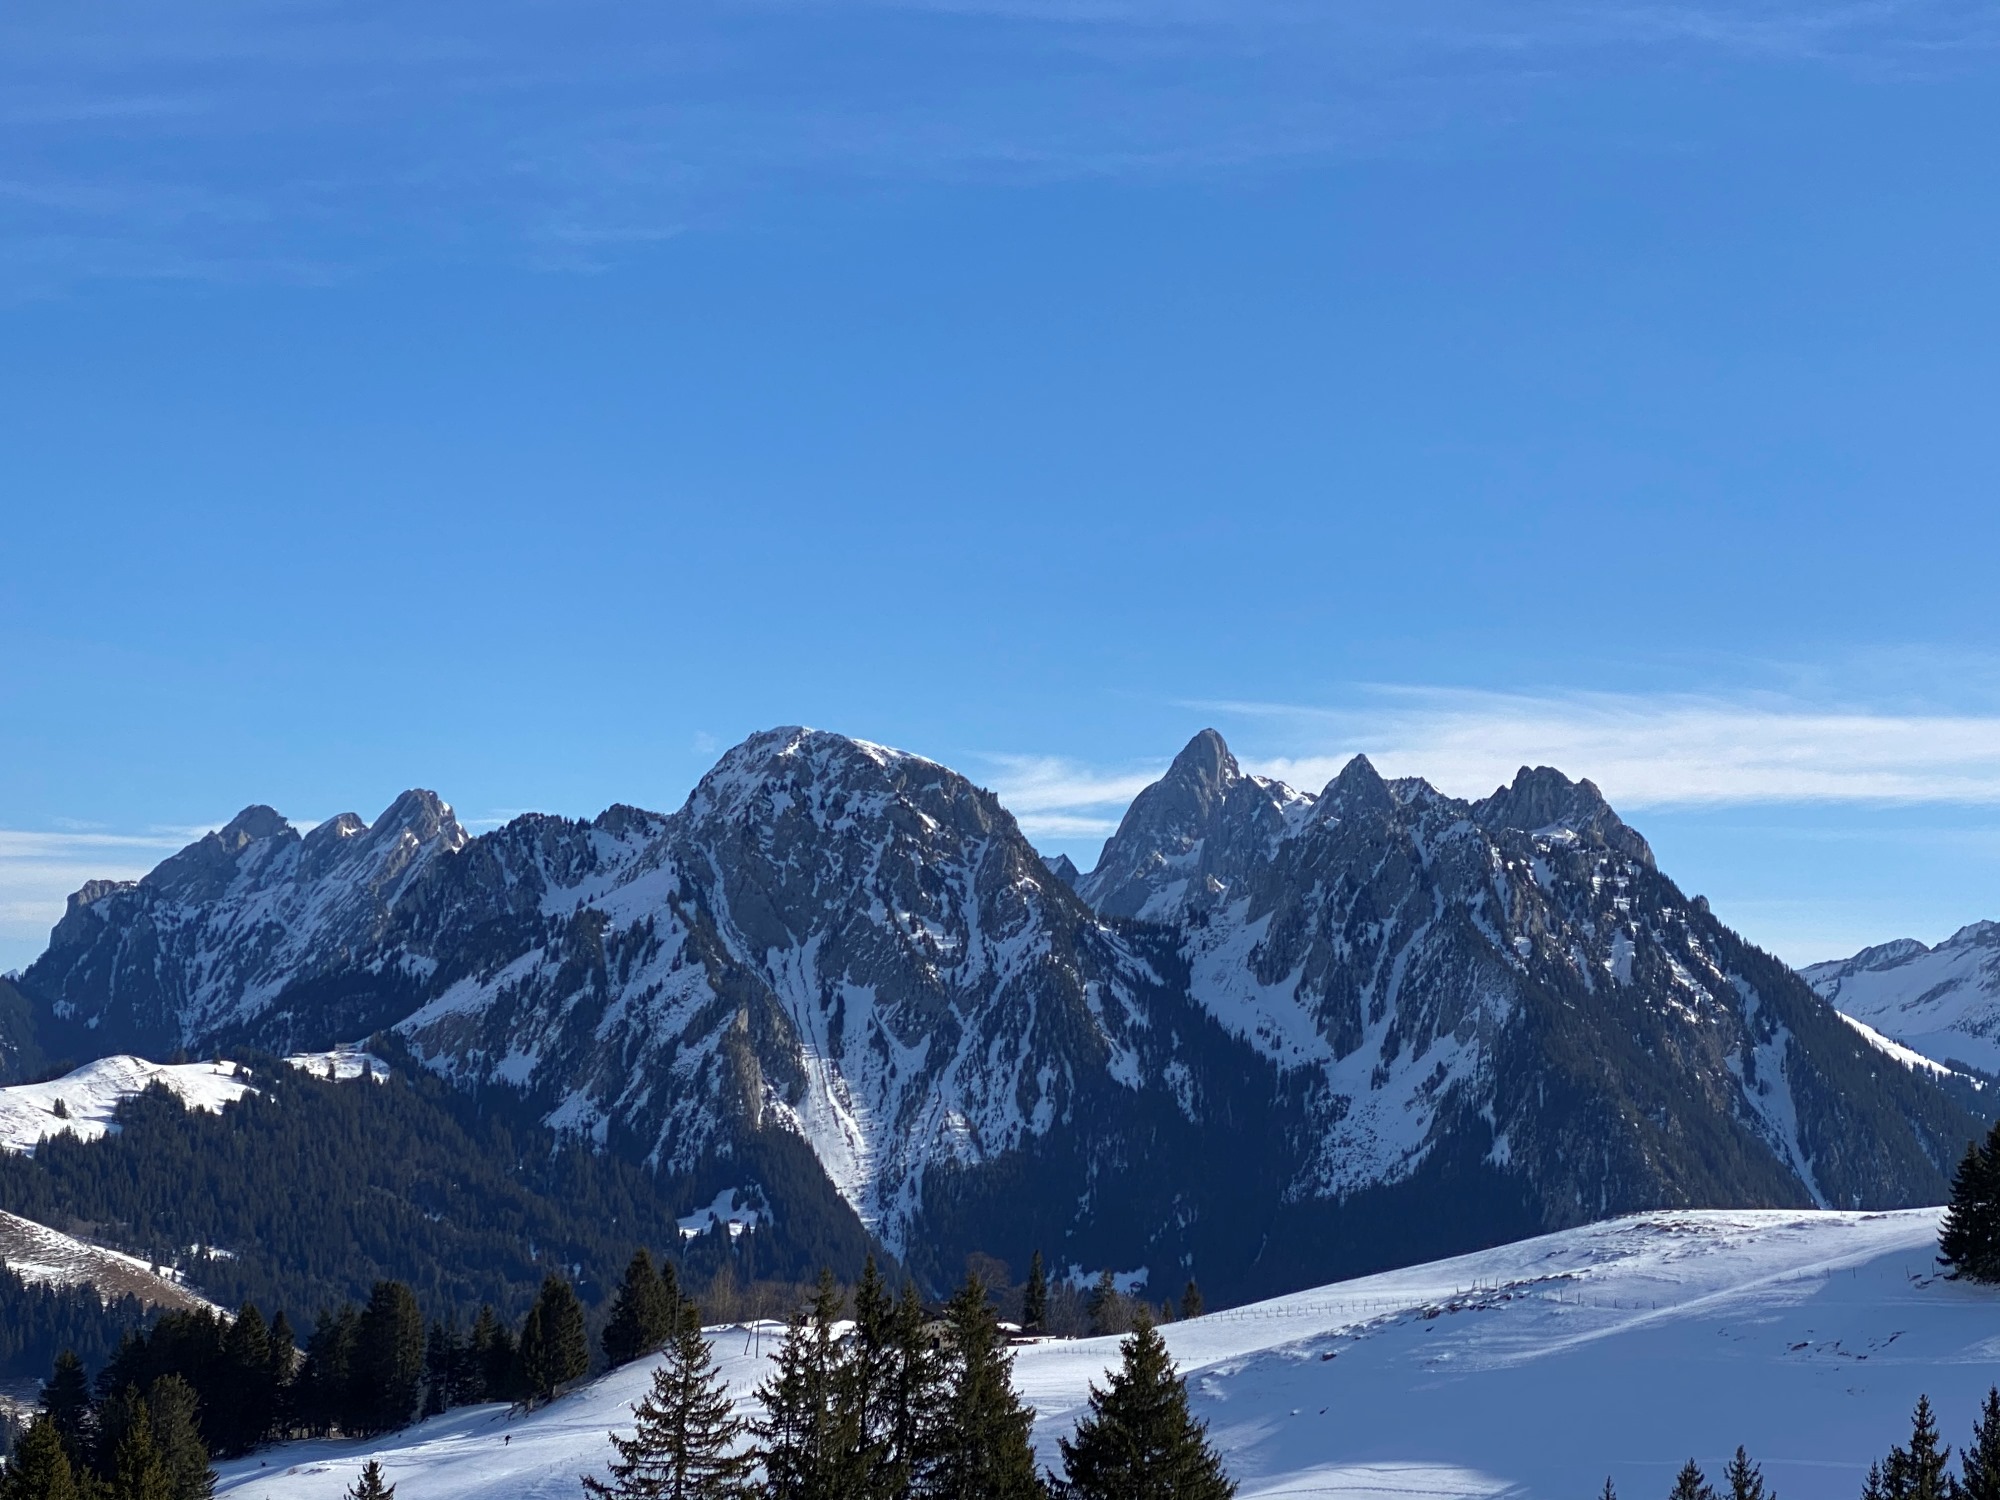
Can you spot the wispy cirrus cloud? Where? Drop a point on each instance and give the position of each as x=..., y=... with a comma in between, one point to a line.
x=1055, y=798
x=302, y=141
x=1643, y=750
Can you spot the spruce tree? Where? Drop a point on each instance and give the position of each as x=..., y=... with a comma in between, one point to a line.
x=1138, y=1437
x=866, y=1388
x=916, y=1394
x=1979, y=1460
x=1969, y=1237
x=1691, y=1484
x=137, y=1470
x=982, y=1450
x=1919, y=1471
x=1106, y=1307
x=371, y=1485
x=40, y=1468
x=1745, y=1479
x=442, y=1359
x=554, y=1347
x=282, y=1374
x=1035, y=1300
x=1609, y=1492
x=66, y=1398
x=644, y=1312
x=388, y=1359
x=170, y=1412
x=686, y=1443
x=243, y=1416
x=808, y=1444
x=1191, y=1302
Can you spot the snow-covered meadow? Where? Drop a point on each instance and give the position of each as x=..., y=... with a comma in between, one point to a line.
x=1535, y=1369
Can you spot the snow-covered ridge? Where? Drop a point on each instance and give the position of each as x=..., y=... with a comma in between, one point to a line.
x=83, y=1103
x=1943, y=1002
x=43, y=1256
x=1528, y=1371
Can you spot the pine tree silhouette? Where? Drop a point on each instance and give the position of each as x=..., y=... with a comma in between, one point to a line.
x=1979, y=1460
x=1138, y=1438
x=685, y=1444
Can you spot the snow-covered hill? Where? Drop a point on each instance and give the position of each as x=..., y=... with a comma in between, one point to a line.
x=82, y=1103
x=1943, y=1002
x=1533, y=1370
x=44, y=1256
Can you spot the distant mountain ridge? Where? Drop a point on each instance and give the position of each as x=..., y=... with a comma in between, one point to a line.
x=1943, y=1002
x=1271, y=1037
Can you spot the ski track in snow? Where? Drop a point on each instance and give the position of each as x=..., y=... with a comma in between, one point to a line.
x=1530, y=1370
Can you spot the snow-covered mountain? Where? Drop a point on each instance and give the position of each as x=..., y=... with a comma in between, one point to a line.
x=1271, y=1037
x=1530, y=1372
x=212, y=936
x=1943, y=1002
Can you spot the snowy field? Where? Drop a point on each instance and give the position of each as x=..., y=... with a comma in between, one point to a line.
x=1531, y=1370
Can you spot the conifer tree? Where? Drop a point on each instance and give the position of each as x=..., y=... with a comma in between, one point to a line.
x=40, y=1468
x=1035, y=1300
x=170, y=1412
x=487, y=1363
x=685, y=1445
x=1106, y=1309
x=1969, y=1237
x=1138, y=1438
x=371, y=1485
x=866, y=1389
x=644, y=1312
x=66, y=1398
x=982, y=1450
x=1745, y=1479
x=1979, y=1460
x=1191, y=1302
x=1609, y=1492
x=1691, y=1484
x=808, y=1445
x=554, y=1346
x=1918, y=1472
x=441, y=1361
x=241, y=1416
x=1873, y=1488
x=388, y=1359
x=282, y=1373
x=137, y=1471
x=915, y=1401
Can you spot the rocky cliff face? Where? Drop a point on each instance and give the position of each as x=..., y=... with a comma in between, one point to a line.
x=1272, y=1037
x=213, y=935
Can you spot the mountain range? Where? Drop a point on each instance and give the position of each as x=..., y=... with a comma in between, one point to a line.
x=1943, y=1002
x=1273, y=1036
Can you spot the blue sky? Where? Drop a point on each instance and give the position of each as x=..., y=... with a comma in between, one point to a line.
x=528, y=401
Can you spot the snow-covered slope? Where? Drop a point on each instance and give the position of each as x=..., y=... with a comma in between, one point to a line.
x=1943, y=1002
x=1533, y=1370
x=44, y=1256
x=82, y=1103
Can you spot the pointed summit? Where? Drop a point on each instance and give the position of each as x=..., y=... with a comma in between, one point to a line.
x=1543, y=800
x=1189, y=837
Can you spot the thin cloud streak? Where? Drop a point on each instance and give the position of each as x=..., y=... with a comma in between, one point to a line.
x=1646, y=751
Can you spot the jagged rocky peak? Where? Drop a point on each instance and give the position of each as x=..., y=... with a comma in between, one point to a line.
x=1358, y=790
x=1542, y=800
x=204, y=869
x=1063, y=868
x=1190, y=836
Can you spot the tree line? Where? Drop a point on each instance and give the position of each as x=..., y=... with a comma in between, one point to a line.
x=1918, y=1470
x=895, y=1404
